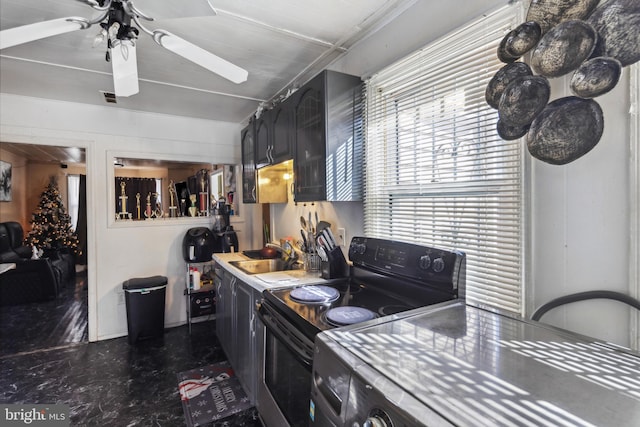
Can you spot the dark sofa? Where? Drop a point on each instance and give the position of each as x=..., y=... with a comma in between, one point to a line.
x=31, y=280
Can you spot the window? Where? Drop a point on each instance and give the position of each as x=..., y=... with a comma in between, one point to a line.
x=634, y=200
x=437, y=171
x=73, y=196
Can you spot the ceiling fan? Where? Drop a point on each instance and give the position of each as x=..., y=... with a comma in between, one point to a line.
x=115, y=20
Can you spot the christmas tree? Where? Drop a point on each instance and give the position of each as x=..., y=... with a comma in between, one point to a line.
x=51, y=224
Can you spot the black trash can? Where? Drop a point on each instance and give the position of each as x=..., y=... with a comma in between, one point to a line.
x=145, y=299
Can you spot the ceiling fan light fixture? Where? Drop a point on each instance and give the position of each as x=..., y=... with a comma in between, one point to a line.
x=200, y=56
x=99, y=38
x=125, y=68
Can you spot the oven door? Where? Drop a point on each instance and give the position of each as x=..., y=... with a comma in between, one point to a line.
x=285, y=389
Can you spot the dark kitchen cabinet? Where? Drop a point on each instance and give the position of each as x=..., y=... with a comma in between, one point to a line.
x=245, y=337
x=263, y=139
x=282, y=133
x=239, y=331
x=328, y=138
x=247, y=140
x=224, y=315
x=274, y=135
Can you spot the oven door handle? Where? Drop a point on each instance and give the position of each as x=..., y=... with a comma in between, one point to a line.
x=286, y=341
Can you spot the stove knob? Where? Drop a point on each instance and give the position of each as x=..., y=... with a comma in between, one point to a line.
x=438, y=265
x=424, y=262
x=375, y=421
x=361, y=248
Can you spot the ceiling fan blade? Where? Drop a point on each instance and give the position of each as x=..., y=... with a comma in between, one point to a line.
x=125, y=68
x=92, y=3
x=199, y=56
x=41, y=30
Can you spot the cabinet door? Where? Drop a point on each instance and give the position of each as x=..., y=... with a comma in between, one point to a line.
x=225, y=318
x=310, y=142
x=221, y=310
x=245, y=333
x=263, y=140
x=282, y=133
x=248, y=164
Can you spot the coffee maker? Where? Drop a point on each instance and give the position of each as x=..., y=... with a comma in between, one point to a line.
x=226, y=237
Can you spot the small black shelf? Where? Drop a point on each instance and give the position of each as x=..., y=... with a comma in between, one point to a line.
x=200, y=302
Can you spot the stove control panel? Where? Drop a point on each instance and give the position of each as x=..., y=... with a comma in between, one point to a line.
x=440, y=267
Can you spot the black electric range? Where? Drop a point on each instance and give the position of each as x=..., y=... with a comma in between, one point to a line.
x=387, y=277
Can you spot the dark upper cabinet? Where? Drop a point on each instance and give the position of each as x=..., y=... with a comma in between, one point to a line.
x=247, y=139
x=320, y=127
x=274, y=135
x=263, y=139
x=282, y=133
x=309, y=160
x=328, y=138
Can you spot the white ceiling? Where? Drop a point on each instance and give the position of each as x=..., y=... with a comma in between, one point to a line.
x=281, y=43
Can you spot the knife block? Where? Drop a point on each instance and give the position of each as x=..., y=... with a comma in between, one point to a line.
x=336, y=266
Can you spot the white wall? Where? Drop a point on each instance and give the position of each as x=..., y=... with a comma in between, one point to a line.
x=580, y=226
x=285, y=218
x=119, y=251
x=579, y=213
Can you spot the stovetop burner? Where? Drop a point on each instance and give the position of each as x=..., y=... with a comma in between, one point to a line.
x=317, y=294
x=348, y=315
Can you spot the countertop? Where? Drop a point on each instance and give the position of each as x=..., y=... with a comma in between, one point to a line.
x=260, y=282
x=461, y=360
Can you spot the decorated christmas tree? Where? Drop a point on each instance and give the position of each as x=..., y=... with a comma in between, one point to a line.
x=51, y=224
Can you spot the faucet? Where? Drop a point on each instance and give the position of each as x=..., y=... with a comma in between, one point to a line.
x=288, y=252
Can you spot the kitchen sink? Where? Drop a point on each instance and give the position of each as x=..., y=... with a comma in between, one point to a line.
x=259, y=266
x=254, y=254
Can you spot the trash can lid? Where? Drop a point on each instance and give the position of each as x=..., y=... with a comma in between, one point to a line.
x=144, y=282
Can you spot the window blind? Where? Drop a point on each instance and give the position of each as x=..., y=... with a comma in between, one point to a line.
x=437, y=173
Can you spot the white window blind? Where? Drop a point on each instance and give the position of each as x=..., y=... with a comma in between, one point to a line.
x=437, y=173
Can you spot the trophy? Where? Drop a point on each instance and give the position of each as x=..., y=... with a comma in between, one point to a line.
x=173, y=196
x=193, y=210
x=203, y=194
x=147, y=210
x=138, y=206
x=157, y=212
x=123, y=201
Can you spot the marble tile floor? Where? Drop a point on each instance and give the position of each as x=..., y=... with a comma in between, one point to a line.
x=47, y=324
x=112, y=383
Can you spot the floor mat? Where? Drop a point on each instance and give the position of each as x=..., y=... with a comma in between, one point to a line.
x=211, y=393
